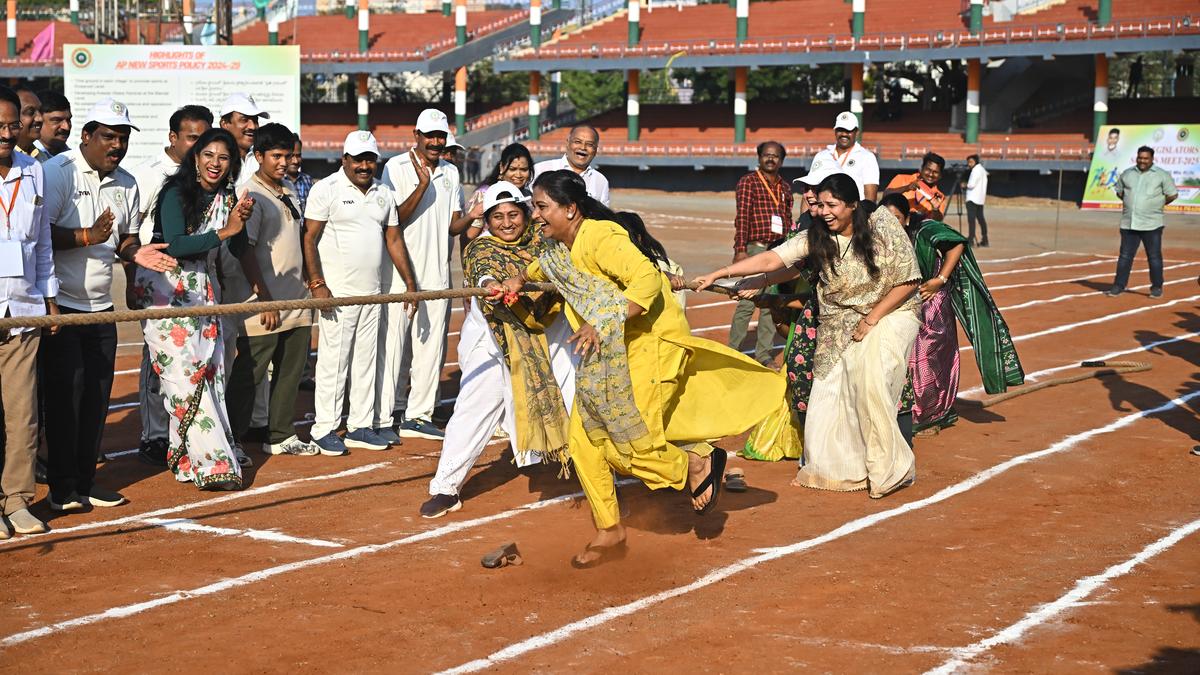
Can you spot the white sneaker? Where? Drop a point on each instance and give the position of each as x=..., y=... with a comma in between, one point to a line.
x=243, y=459
x=292, y=446
x=5, y=533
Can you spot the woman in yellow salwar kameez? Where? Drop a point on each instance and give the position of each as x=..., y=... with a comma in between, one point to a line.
x=649, y=395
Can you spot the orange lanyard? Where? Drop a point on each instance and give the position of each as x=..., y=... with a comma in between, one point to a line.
x=842, y=160
x=774, y=197
x=8, y=209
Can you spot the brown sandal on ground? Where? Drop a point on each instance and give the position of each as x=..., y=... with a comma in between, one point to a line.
x=502, y=557
x=735, y=481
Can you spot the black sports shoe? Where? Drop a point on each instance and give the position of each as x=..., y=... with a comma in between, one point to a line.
x=1156, y=292
x=39, y=471
x=440, y=505
x=1114, y=292
x=153, y=452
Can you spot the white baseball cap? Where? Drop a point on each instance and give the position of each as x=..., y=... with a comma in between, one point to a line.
x=502, y=192
x=819, y=171
x=360, y=142
x=110, y=113
x=431, y=120
x=846, y=120
x=452, y=142
x=243, y=103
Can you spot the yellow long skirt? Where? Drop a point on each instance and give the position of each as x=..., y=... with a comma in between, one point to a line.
x=689, y=391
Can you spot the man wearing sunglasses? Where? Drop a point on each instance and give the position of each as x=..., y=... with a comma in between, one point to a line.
x=271, y=269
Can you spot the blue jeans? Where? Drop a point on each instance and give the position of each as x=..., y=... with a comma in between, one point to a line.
x=1152, y=240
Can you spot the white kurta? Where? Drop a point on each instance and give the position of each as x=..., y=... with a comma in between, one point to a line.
x=485, y=399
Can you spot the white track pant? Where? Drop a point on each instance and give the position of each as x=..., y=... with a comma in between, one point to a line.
x=346, y=357
x=485, y=403
x=413, y=352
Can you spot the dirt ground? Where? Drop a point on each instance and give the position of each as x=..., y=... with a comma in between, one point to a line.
x=1053, y=532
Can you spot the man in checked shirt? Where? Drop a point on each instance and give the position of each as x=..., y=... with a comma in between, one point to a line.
x=764, y=217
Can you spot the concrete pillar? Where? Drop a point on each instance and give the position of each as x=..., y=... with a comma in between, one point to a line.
x=535, y=23
x=858, y=20
x=12, y=28
x=273, y=31
x=1104, y=13
x=976, y=24
x=635, y=13
x=364, y=25
x=973, y=77
x=555, y=85
x=349, y=9
x=631, y=106
x=743, y=20
x=557, y=4
x=856, y=94
x=445, y=7
x=460, y=101
x=262, y=13
x=739, y=103
x=1100, y=106
x=187, y=22
x=75, y=12
x=535, y=105
x=362, y=89
x=460, y=22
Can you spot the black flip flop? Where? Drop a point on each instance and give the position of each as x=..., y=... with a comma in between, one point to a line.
x=607, y=554
x=736, y=482
x=715, y=473
x=504, y=556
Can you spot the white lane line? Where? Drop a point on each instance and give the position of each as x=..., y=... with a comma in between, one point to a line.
x=252, y=492
x=1046, y=268
x=1073, y=598
x=1101, y=275
x=260, y=575
x=698, y=219
x=1100, y=319
x=1033, y=377
x=187, y=525
x=1091, y=294
x=775, y=553
x=1021, y=257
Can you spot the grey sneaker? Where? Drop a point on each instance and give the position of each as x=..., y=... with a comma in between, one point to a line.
x=1114, y=292
x=419, y=428
x=1156, y=292
x=330, y=445
x=102, y=498
x=388, y=435
x=365, y=439
x=292, y=446
x=242, y=458
x=24, y=522
x=440, y=505
x=72, y=503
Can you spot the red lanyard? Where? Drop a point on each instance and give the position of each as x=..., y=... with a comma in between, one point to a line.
x=8, y=209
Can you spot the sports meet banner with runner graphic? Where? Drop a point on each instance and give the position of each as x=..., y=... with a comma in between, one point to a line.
x=1176, y=150
x=153, y=81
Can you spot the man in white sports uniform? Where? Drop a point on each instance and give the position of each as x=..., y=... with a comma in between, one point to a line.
x=848, y=157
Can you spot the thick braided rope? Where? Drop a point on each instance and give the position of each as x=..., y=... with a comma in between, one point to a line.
x=245, y=308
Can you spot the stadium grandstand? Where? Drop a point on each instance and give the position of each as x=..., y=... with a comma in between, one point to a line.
x=1023, y=83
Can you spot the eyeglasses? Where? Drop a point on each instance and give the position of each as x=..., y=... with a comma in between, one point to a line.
x=14, y=127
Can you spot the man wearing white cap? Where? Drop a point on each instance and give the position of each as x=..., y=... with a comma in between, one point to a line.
x=239, y=116
x=94, y=209
x=847, y=156
x=349, y=220
x=430, y=196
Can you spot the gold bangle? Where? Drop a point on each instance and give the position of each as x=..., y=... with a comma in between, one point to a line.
x=864, y=320
x=87, y=241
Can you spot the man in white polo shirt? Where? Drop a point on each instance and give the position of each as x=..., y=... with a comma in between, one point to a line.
x=430, y=196
x=349, y=218
x=847, y=156
x=184, y=128
x=582, y=144
x=94, y=208
x=240, y=117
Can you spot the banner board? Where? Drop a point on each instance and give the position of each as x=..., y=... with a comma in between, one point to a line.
x=1176, y=150
x=153, y=81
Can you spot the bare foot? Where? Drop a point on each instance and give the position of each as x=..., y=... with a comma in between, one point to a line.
x=698, y=468
x=604, y=539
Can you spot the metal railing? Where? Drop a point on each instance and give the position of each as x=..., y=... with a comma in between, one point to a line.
x=939, y=39
x=902, y=152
